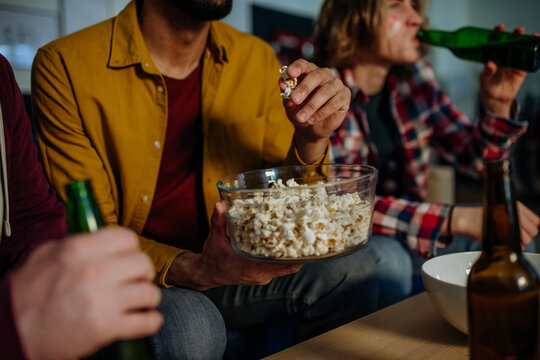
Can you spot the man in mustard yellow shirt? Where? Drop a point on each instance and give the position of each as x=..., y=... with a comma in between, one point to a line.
x=157, y=104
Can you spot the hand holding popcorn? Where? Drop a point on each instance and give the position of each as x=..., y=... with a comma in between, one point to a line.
x=316, y=107
x=220, y=265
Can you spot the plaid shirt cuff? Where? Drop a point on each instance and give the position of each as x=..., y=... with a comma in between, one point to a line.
x=416, y=224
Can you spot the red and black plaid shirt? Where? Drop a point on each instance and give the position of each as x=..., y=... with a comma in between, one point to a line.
x=425, y=119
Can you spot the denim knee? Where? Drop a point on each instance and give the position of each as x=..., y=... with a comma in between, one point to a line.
x=394, y=269
x=193, y=327
x=335, y=292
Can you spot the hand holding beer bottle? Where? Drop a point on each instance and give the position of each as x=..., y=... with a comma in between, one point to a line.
x=507, y=57
x=84, y=216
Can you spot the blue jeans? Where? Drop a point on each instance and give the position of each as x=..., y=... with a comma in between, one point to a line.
x=193, y=327
x=394, y=269
x=319, y=297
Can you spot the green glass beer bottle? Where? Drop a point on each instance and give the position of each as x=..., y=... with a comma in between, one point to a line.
x=83, y=215
x=504, y=48
x=502, y=287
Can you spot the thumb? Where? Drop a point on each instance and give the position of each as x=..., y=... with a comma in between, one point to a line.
x=218, y=219
x=489, y=69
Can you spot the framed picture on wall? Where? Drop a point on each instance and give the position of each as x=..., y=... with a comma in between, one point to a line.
x=23, y=31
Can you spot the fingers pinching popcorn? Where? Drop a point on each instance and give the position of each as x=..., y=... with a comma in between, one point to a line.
x=315, y=103
x=290, y=83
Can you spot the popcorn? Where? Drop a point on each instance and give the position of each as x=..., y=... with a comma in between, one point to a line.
x=299, y=221
x=289, y=82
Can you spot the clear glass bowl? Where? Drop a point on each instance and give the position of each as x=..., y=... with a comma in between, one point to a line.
x=328, y=211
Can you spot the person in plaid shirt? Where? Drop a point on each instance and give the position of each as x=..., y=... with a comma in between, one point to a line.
x=398, y=114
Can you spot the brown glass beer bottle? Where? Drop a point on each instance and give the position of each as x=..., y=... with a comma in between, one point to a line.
x=502, y=287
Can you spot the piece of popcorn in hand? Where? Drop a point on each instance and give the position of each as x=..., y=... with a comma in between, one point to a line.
x=286, y=94
x=290, y=83
x=283, y=72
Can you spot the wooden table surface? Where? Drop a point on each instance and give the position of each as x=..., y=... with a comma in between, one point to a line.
x=410, y=329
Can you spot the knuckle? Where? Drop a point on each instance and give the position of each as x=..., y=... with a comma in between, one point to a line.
x=343, y=98
x=74, y=247
x=302, y=61
x=130, y=239
x=303, y=87
x=145, y=262
x=341, y=88
x=344, y=101
x=133, y=240
x=339, y=84
x=153, y=321
x=90, y=271
x=156, y=295
x=328, y=91
x=150, y=295
x=311, y=106
x=327, y=72
x=149, y=265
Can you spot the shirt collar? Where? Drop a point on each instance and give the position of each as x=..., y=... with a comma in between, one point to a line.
x=128, y=46
x=218, y=42
x=346, y=75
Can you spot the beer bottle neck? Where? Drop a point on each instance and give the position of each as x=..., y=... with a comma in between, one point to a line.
x=501, y=226
x=435, y=37
x=82, y=211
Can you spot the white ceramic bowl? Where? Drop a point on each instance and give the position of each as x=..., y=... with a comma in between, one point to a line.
x=445, y=281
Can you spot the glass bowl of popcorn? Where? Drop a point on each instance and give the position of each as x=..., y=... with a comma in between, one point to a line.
x=299, y=213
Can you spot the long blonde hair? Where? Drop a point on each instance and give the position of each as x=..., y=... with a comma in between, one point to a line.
x=346, y=28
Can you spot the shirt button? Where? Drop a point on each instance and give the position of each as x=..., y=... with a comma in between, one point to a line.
x=157, y=144
x=144, y=198
x=146, y=64
x=160, y=89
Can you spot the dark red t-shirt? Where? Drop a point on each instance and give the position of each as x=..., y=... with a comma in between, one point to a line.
x=178, y=216
x=36, y=215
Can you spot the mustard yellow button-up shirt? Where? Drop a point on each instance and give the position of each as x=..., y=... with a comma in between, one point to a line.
x=100, y=107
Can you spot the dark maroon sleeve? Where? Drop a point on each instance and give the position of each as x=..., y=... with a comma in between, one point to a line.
x=36, y=215
x=10, y=345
